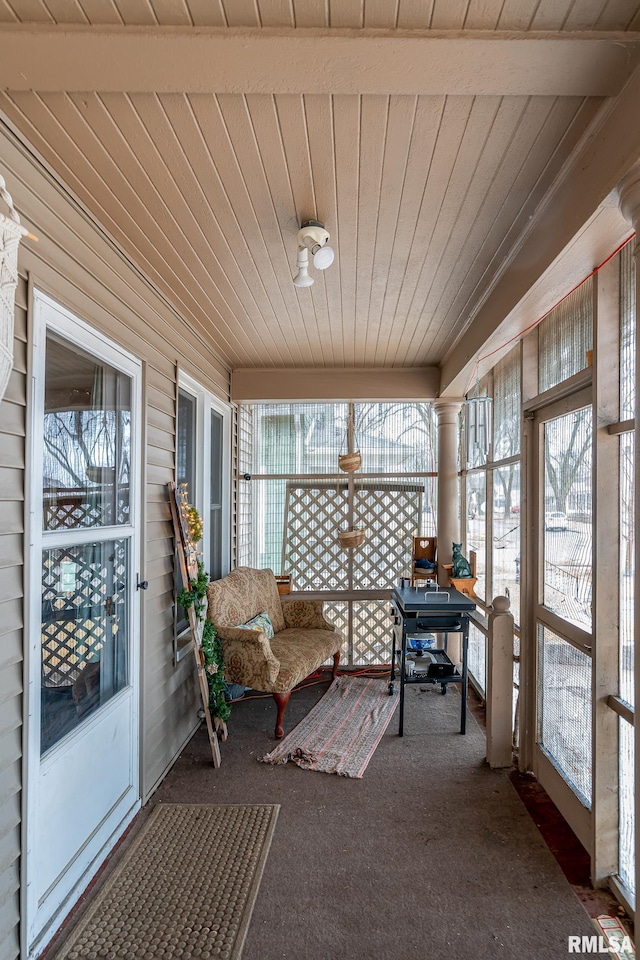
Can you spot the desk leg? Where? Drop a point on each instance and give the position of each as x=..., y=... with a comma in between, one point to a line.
x=402, y=675
x=393, y=659
x=463, y=691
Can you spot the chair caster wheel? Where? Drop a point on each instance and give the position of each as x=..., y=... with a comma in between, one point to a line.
x=390, y=689
x=443, y=689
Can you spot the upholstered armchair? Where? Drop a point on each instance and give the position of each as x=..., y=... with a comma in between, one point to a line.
x=270, y=643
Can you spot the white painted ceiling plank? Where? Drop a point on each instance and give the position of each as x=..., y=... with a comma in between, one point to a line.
x=584, y=14
x=207, y=13
x=518, y=14
x=483, y=14
x=297, y=154
x=219, y=275
x=242, y=13
x=127, y=195
x=566, y=122
x=449, y=14
x=311, y=13
x=210, y=118
x=373, y=139
x=31, y=11
x=220, y=223
x=551, y=15
x=346, y=13
x=100, y=11
x=238, y=122
x=172, y=13
x=618, y=14
x=276, y=13
x=281, y=227
x=320, y=133
x=346, y=113
x=415, y=14
x=515, y=177
x=68, y=11
x=450, y=137
x=401, y=119
x=136, y=12
x=381, y=14
x=424, y=135
x=7, y=14
x=453, y=209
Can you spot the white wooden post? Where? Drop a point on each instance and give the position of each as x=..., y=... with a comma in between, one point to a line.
x=500, y=685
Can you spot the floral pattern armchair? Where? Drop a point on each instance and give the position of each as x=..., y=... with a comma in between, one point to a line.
x=301, y=642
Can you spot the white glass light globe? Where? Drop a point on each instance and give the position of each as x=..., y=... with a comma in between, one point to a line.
x=324, y=257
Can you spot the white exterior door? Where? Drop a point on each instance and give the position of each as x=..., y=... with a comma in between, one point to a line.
x=83, y=730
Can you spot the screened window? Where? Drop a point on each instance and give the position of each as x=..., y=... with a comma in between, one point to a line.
x=566, y=338
x=296, y=500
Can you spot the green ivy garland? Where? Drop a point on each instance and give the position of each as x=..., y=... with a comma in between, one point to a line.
x=211, y=646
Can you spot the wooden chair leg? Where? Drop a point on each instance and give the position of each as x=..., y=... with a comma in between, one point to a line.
x=281, y=699
x=336, y=661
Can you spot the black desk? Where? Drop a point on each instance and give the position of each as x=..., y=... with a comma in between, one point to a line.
x=430, y=609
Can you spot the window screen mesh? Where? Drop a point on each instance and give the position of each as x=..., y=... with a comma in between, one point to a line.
x=298, y=500
x=564, y=710
x=627, y=333
x=477, y=657
x=564, y=337
x=477, y=423
x=506, y=406
x=626, y=829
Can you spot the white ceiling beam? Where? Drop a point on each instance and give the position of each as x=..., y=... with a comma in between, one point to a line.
x=251, y=385
x=588, y=178
x=246, y=60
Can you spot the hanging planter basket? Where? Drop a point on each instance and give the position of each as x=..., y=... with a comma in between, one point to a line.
x=350, y=461
x=10, y=235
x=348, y=539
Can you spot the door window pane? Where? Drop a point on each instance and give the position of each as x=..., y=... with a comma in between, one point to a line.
x=567, y=525
x=84, y=632
x=186, y=442
x=564, y=710
x=215, y=511
x=87, y=440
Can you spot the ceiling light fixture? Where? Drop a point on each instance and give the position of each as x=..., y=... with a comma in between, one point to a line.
x=312, y=236
x=302, y=278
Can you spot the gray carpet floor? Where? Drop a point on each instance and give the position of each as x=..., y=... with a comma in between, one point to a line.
x=431, y=854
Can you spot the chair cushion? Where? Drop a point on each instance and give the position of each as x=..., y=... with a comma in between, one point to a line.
x=262, y=622
x=300, y=652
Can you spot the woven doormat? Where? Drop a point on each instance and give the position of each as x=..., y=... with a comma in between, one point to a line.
x=340, y=734
x=184, y=889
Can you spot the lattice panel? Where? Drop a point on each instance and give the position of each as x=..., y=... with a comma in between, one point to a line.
x=69, y=512
x=337, y=613
x=372, y=632
x=391, y=512
x=75, y=623
x=314, y=513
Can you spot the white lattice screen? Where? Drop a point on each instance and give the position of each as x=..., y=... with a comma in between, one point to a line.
x=296, y=501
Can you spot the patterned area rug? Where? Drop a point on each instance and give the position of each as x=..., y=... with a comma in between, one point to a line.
x=342, y=731
x=184, y=889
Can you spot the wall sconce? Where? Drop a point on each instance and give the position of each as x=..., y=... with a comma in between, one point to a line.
x=312, y=237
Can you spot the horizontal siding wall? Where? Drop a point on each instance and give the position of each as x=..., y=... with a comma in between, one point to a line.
x=77, y=265
x=12, y=460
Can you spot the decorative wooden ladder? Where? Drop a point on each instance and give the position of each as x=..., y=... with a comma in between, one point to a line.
x=189, y=571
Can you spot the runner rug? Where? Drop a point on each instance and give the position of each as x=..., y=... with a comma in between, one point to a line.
x=342, y=731
x=184, y=889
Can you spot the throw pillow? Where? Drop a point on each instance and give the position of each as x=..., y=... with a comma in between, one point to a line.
x=261, y=621
x=424, y=564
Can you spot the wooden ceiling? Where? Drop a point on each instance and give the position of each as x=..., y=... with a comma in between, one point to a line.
x=426, y=147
